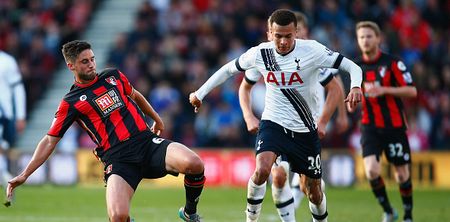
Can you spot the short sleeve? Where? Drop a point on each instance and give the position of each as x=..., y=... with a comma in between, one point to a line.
x=126, y=84
x=64, y=117
x=326, y=58
x=247, y=60
x=326, y=75
x=252, y=75
x=401, y=74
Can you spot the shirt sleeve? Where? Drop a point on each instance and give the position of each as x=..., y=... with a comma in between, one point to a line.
x=326, y=58
x=252, y=75
x=64, y=117
x=326, y=75
x=247, y=60
x=401, y=74
x=126, y=84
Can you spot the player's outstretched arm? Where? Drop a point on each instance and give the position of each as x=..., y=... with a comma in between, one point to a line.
x=43, y=150
x=219, y=77
x=144, y=105
x=342, y=122
x=245, y=103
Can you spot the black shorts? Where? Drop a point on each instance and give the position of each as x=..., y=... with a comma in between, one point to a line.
x=143, y=156
x=301, y=149
x=394, y=143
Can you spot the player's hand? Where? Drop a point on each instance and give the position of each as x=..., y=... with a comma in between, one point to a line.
x=252, y=124
x=157, y=127
x=321, y=129
x=12, y=184
x=195, y=102
x=354, y=97
x=375, y=91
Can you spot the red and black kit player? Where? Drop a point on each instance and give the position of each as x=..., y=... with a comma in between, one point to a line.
x=386, y=80
x=113, y=113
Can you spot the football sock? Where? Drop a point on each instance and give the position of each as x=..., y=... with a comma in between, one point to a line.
x=284, y=202
x=379, y=190
x=193, y=185
x=406, y=194
x=255, y=197
x=297, y=193
x=319, y=212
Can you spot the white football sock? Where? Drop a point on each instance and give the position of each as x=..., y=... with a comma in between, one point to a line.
x=284, y=202
x=319, y=210
x=255, y=196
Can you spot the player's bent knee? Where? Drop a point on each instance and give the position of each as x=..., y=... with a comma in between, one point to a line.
x=279, y=177
x=372, y=174
x=315, y=196
x=261, y=174
x=196, y=165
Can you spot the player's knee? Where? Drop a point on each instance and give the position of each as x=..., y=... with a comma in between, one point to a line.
x=372, y=173
x=279, y=177
x=261, y=174
x=118, y=215
x=195, y=164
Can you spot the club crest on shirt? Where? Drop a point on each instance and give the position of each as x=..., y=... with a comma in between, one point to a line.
x=111, y=80
x=298, y=63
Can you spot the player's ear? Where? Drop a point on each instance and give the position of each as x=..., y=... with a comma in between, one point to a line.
x=70, y=66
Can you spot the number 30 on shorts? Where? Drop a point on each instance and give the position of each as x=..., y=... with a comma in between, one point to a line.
x=314, y=162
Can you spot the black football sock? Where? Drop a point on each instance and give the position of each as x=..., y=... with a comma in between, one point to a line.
x=407, y=199
x=193, y=184
x=379, y=190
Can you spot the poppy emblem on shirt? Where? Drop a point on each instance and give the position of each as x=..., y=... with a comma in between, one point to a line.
x=111, y=80
x=83, y=98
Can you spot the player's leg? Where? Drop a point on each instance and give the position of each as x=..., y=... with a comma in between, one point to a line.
x=118, y=197
x=180, y=159
x=297, y=193
x=5, y=176
x=399, y=154
x=256, y=188
x=281, y=191
x=403, y=178
x=317, y=199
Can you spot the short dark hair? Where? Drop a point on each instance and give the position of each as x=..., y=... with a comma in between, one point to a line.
x=72, y=49
x=283, y=17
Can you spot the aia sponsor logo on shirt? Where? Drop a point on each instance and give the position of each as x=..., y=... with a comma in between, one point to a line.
x=108, y=102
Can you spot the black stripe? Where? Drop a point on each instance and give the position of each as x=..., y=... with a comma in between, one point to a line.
x=301, y=107
x=236, y=62
x=281, y=205
x=254, y=202
x=338, y=61
x=320, y=217
x=249, y=81
x=266, y=60
x=327, y=80
x=273, y=60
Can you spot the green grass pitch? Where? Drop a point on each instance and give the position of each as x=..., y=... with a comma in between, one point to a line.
x=69, y=204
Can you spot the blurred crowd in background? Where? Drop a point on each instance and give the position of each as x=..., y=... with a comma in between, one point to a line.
x=175, y=45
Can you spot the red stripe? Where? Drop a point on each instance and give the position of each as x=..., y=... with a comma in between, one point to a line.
x=398, y=75
x=120, y=128
x=86, y=109
x=198, y=183
x=138, y=119
x=376, y=110
x=394, y=112
x=58, y=122
x=365, y=112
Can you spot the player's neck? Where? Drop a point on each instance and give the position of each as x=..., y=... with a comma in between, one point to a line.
x=372, y=55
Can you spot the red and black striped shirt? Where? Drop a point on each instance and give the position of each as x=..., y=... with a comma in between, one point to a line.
x=103, y=108
x=386, y=111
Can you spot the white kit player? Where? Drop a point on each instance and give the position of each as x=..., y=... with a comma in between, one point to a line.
x=291, y=70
